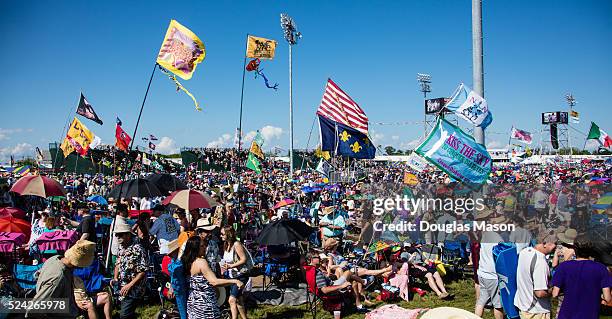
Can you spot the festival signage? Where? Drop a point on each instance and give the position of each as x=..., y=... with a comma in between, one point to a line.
x=416, y=162
x=554, y=118
x=457, y=154
x=260, y=48
x=434, y=106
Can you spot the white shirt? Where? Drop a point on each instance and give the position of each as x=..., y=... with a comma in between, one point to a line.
x=527, y=282
x=539, y=199
x=521, y=237
x=486, y=264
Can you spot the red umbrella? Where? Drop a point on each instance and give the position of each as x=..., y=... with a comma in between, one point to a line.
x=38, y=186
x=15, y=225
x=189, y=199
x=284, y=202
x=11, y=212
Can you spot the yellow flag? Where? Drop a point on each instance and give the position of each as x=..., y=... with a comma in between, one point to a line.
x=256, y=150
x=260, y=48
x=77, y=139
x=181, y=51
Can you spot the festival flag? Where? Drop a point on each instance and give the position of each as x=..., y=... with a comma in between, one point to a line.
x=340, y=139
x=151, y=146
x=323, y=167
x=574, y=116
x=22, y=170
x=470, y=106
x=145, y=160
x=122, y=139
x=595, y=133
x=39, y=155
x=339, y=107
x=12, y=161
x=152, y=137
x=457, y=154
x=118, y=121
x=86, y=110
x=77, y=139
x=322, y=154
x=416, y=162
x=181, y=51
x=256, y=150
x=260, y=48
x=521, y=135
x=253, y=163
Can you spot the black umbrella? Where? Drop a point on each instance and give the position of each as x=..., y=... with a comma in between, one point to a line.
x=139, y=187
x=283, y=232
x=166, y=182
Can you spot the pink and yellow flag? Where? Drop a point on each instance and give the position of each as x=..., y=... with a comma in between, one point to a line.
x=181, y=51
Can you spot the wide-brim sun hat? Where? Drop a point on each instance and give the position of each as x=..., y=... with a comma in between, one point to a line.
x=81, y=254
x=121, y=228
x=568, y=236
x=205, y=223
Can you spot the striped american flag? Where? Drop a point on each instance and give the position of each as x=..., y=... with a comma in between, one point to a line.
x=338, y=106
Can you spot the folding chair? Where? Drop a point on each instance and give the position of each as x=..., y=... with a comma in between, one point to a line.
x=330, y=302
x=26, y=276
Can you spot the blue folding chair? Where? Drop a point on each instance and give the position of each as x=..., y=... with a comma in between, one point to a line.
x=26, y=276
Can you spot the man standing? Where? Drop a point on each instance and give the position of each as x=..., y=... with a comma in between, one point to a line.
x=87, y=227
x=487, y=276
x=165, y=227
x=532, y=292
x=129, y=277
x=55, y=278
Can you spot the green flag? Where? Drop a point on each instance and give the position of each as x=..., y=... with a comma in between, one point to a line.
x=253, y=163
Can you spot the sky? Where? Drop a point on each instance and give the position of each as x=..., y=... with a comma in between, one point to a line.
x=534, y=53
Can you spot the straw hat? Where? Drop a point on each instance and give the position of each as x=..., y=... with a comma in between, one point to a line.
x=327, y=210
x=168, y=247
x=81, y=254
x=122, y=228
x=568, y=236
x=448, y=313
x=204, y=223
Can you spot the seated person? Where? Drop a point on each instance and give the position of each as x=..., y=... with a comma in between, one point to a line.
x=427, y=268
x=89, y=304
x=327, y=286
x=337, y=264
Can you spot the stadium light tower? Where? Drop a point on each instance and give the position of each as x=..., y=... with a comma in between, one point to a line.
x=425, y=84
x=571, y=101
x=292, y=36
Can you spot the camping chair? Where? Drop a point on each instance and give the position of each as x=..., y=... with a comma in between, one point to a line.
x=455, y=255
x=92, y=277
x=26, y=275
x=599, y=226
x=330, y=302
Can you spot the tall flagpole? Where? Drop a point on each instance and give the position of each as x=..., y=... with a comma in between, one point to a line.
x=142, y=106
x=477, y=60
x=238, y=167
x=292, y=36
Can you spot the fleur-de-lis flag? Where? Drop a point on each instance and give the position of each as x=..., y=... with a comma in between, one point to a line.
x=340, y=139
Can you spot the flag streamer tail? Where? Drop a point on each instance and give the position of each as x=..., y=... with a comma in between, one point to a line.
x=260, y=72
x=179, y=86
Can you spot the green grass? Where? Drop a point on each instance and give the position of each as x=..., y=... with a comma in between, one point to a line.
x=463, y=290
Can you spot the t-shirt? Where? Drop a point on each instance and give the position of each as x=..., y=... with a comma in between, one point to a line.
x=581, y=281
x=539, y=199
x=486, y=266
x=532, y=274
x=55, y=281
x=338, y=220
x=165, y=227
x=88, y=226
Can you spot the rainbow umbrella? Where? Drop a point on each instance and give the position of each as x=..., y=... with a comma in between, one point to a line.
x=603, y=202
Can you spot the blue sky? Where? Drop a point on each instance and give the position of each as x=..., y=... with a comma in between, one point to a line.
x=535, y=52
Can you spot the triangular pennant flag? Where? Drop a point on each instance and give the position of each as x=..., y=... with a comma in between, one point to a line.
x=86, y=110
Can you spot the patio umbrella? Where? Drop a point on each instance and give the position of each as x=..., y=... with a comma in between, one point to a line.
x=284, y=202
x=11, y=212
x=189, y=199
x=15, y=225
x=285, y=231
x=603, y=202
x=166, y=182
x=139, y=187
x=97, y=199
x=37, y=185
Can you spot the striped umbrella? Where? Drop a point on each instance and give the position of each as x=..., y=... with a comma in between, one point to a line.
x=189, y=199
x=37, y=185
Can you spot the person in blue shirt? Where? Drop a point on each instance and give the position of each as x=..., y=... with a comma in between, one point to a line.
x=178, y=281
x=165, y=227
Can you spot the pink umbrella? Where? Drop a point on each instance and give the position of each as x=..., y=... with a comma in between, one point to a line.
x=11, y=212
x=37, y=185
x=189, y=199
x=284, y=202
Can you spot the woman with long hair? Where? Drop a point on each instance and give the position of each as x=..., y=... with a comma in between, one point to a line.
x=202, y=298
x=235, y=264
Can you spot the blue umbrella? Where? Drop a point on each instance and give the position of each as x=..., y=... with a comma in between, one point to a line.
x=97, y=199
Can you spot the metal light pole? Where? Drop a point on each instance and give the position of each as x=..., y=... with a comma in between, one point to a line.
x=477, y=57
x=292, y=36
x=424, y=82
x=571, y=101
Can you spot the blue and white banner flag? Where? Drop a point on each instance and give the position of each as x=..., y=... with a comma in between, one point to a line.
x=457, y=154
x=416, y=162
x=324, y=168
x=470, y=106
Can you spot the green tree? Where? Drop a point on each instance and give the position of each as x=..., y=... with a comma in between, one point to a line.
x=390, y=150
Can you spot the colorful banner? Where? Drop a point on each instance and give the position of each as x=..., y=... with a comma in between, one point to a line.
x=457, y=154
x=77, y=139
x=181, y=51
x=416, y=162
x=470, y=106
x=574, y=116
x=122, y=138
x=340, y=139
x=521, y=135
x=253, y=163
x=260, y=48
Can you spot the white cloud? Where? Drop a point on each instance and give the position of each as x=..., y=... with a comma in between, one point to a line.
x=377, y=137
x=395, y=137
x=224, y=140
x=494, y=144
x=167, y=146
x=19, y=150
x=410, y=145
x=5, y=133
x=270, y=132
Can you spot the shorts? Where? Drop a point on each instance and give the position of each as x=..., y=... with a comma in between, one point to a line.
x=234, y=291
x=489, y=293
x=527, y=315
x=339, y=281
x=422, y=273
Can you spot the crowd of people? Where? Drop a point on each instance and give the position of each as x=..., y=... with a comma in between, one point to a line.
x=560, y=252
